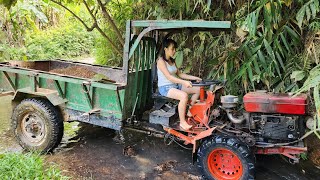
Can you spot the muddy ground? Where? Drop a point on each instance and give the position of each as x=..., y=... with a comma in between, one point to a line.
x=89, y=152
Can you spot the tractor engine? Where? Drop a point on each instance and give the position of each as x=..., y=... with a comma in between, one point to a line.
x=269, y=117
x=274, y=127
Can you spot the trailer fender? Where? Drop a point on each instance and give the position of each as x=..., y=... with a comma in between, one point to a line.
x=51, y=95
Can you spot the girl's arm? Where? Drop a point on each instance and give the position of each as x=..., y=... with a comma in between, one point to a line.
x=186, y=76
x=163, y=68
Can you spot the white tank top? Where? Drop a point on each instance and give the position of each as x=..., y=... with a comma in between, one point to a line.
x=162, y=80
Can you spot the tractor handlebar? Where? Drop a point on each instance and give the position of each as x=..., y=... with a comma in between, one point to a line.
x=207, y=82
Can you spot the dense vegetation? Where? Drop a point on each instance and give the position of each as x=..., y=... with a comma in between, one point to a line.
x=35, y=31
x=273, y=44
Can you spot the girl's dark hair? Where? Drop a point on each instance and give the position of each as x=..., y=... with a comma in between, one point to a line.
x=165, y=44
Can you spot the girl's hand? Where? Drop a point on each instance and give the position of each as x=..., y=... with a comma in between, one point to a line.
x=198, y=79
x=187, y=84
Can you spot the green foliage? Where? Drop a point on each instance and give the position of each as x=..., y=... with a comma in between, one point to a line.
x=68, y=41
x=312, y=81
x=308, y=11
x=27, y=166
x=121, y=11
x=63, y=42
x=304, y=156
x=267, y=53
x=8, y=3
x=316, y=96
x=269, y=46
x=104, y=55
x=315, y=25
x=12, y=53
x=28, y=9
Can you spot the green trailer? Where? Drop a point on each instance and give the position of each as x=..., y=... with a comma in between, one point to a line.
x=108, y=104
x=43, y=99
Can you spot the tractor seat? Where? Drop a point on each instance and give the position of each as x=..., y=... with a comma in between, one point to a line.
x=159, y=100
x=159, y=96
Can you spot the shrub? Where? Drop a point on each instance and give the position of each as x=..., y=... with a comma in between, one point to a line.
x=63, y=42
x=27, y=166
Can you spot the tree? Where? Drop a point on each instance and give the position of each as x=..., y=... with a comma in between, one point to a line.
x=95, y=9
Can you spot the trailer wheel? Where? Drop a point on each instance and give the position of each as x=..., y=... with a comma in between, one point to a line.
x=37, y=125
x=225, y=158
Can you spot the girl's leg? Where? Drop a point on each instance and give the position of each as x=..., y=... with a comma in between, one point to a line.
x=195, y=91
x=183, y=100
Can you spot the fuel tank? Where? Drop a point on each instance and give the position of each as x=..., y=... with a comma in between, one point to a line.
x=267, y=102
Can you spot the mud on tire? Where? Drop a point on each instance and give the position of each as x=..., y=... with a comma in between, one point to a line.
x=223, y=157
x=37, y=125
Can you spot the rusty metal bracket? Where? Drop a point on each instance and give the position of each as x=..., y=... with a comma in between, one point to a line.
x=59, y=89
x=119, y=100
x=12, y=85
x=87, y=93
x=33, y=83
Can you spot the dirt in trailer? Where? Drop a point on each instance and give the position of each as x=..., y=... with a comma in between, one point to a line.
x=76, y=71
x=89, y=152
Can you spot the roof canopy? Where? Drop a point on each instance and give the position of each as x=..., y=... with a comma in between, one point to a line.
x=173, y=24
x=150, y=25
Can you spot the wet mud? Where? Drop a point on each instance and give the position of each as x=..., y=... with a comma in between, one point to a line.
x=90, y=152
x=99, y=154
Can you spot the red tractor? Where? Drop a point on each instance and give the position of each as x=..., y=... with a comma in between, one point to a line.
x=226, y=139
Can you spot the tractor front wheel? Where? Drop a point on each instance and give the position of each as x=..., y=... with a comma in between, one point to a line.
x=225, y=158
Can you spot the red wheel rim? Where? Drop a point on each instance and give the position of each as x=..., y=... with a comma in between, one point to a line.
x=223, y=164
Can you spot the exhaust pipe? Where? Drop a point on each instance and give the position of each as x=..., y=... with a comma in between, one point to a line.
x=233, y=119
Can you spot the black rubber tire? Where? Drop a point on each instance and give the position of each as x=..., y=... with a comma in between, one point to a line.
x=49, y=115
x=229, y=143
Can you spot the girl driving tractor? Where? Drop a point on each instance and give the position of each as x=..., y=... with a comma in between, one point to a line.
x=174, y=84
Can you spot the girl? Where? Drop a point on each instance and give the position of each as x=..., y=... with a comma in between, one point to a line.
x=174, y=84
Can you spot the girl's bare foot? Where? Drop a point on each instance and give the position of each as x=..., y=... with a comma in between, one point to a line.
x=189, y=114
x=185, y=126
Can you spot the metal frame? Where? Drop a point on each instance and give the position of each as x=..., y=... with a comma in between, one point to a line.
x=150, y=25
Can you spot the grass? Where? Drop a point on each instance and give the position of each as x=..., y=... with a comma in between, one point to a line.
x=27, y=166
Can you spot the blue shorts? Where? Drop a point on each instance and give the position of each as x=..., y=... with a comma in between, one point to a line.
x=163, y=90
